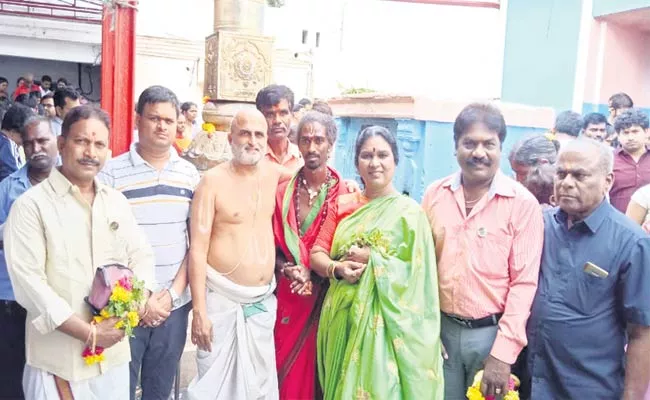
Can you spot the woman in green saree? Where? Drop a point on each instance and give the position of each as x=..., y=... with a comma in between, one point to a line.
x=379, y=330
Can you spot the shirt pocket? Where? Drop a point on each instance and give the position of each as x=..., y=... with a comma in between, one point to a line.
x=493, y=253
x=586, y=293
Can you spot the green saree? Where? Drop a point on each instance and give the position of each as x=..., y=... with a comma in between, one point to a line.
x=380, y=338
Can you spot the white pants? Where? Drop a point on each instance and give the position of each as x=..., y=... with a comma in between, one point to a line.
x=112, y=385
x=242, y=362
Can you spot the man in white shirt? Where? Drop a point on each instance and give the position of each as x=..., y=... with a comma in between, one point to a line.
x=56, y=236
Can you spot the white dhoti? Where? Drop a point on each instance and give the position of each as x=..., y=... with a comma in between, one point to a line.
x=113, y=384
x=242, y=362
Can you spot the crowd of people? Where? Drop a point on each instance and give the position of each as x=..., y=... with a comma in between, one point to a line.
x=303, y=285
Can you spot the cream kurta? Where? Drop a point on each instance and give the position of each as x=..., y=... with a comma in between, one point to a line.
x=54, y=242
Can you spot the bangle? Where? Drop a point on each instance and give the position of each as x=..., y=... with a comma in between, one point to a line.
x=94, y=332
x=90, y=334
x=332, y=271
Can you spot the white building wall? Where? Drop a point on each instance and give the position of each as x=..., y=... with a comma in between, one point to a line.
x=418, y=49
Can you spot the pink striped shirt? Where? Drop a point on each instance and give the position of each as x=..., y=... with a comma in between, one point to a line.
x=488, y=261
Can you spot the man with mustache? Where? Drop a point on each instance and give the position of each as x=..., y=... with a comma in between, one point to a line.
x=159, y=186
x=232, y=255
x=593, y=296
x=276, y=103
x=632, y=159
x=488, y=233
x=56, y=236
x=41, y=153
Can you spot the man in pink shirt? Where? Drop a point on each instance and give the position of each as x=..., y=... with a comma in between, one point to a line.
x=488, y=231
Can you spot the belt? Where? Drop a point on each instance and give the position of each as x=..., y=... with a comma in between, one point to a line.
x=9, y=307
x=490, y=320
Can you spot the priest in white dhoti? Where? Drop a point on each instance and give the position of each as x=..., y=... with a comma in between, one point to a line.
x=231, y=269
x=56, y=236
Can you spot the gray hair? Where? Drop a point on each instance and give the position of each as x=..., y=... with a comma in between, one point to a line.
x=34, y=120
x=318, y=117
x=530, y=150
x=605, y=153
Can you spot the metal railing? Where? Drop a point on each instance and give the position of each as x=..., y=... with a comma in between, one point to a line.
x=88, y=11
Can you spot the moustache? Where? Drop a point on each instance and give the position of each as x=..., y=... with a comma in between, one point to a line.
x=479, y=161
x=39, y=155
x=313, y=155
x=88, y=161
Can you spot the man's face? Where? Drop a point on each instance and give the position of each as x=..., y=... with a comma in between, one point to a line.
x=69, y=105
x=248, y=140
x=46, y=85
x=633, y=138
x=313, y=145
x=521, y=171
x=597, y=132
x=48, y=106
x=580, y=182
x=190, y=115
x=157, y=125
x=613, y=113
x=40, y=146
x=29, y=80
x=60, y=85
x=84, y=150
x=3, y=87
x=478, y=152
x=278, y=118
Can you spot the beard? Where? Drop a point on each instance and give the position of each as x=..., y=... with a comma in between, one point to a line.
x=243, y=157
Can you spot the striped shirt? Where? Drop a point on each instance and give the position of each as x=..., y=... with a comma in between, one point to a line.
x=488, y=261
x=160, y=201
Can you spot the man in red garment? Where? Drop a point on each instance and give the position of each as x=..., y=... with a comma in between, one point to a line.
x=302, y=206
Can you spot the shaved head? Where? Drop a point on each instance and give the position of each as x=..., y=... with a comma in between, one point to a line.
x=242, y=117
x=248, y=136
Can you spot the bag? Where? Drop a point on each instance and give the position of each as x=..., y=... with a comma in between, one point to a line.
x=105, y=279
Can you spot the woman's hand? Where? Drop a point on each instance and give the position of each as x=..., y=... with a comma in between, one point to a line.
x=350, y=271
x=358, y=254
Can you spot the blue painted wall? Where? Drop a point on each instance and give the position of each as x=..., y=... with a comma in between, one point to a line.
x=605, y=7
x=541, y=50
x=426, y=150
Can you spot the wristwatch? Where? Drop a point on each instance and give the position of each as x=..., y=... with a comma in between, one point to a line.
x=176, y=300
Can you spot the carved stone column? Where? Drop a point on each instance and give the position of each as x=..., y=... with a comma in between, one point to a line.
x=238, y=63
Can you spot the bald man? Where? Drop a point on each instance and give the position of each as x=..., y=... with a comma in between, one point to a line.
x=232, y=255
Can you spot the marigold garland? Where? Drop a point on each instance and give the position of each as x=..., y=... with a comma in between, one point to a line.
x=125, y=300
x=474, y=391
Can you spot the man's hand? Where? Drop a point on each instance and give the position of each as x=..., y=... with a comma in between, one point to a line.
x=350, y=271
x=358, y=254
x=107, y=334
x=201, y=331
x=300, y=278
x=157, y=309
x=443, y=350
x=496, y=375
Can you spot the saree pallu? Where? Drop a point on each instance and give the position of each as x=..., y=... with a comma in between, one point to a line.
x=380, y=338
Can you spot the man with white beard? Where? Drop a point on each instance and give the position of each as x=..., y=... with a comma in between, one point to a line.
x=232, y=253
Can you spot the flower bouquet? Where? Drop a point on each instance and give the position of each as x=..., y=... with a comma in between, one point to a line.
x=123, y=301
x=474, y=391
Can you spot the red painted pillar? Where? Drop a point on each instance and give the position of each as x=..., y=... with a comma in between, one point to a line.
x=118, y=71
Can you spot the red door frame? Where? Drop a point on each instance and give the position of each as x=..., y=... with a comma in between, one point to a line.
x=118, y=71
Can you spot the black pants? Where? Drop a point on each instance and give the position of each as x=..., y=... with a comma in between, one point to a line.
x=12, y=350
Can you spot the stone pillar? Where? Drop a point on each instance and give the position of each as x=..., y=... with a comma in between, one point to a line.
x=237, y=65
